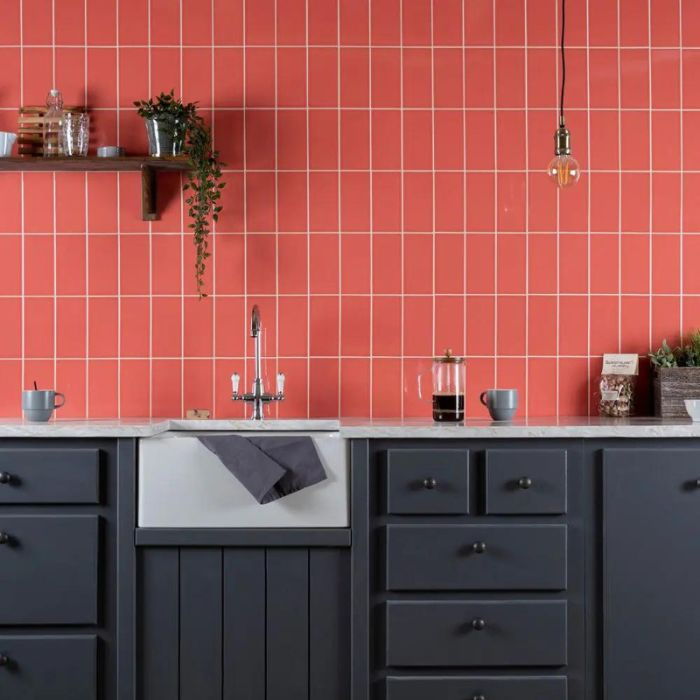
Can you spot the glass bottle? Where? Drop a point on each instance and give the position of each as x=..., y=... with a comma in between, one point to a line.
x=53, y=120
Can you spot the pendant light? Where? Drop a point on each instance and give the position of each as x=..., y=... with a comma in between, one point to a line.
x=564, y=169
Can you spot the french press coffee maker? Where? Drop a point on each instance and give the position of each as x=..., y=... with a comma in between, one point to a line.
x=449, y=381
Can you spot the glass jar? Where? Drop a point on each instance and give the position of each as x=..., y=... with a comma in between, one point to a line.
x=449, y=381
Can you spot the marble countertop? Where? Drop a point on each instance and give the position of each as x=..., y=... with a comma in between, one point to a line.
x=366, y=428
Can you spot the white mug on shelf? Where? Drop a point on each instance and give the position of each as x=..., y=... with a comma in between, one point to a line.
x=7, y=141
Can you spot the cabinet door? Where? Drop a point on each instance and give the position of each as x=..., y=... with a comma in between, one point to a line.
x=652, y=573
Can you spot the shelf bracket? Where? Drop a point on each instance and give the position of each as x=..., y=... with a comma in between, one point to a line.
x=149, y=189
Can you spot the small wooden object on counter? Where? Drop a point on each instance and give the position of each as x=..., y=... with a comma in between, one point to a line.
x=147, y=165
x=198, y=414
x=672, y=385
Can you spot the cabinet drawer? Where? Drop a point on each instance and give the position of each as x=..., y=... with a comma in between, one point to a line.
x=476, y=557
x=49, y=476
x=526, y=482
x=476, y=633
x=490, y=687
x=46, y=667
x=428, y=481
x=48, y=570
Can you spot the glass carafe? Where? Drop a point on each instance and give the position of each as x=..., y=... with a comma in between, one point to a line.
x=449, y=379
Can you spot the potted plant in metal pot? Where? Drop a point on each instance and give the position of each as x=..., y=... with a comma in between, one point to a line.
x=676, y=376
x=176, y=129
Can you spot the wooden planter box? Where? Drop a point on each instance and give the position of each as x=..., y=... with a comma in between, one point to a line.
x=671, y=386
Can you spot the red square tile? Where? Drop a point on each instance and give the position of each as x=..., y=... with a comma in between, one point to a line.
x=418, y=140
x=324, y=335
x=167, y=327
x=510, y=373
x=418, y=264
x=323, y=201
x=260, y=262
x=229, y=263
x=541, y=22
x=134, y=326
x=354, y=77
x=133, y=21
x=448, y=23
x=386, y=22
x=418, y=204
x=10, y=58
x=71, y=327
x=260, y=77
x=197, y=384
x=102, y=78
x=354, y=140
x=259, y=22
x=355, y=326
x=449, y=201
x=386, y=388
x=634, y=129
x=511, y=202
x=354, y=21
x=260, y=201
x=196, y=76
x=665, y=24
x=480, y=149
x=691, y=260
x=449, y=264
x=510, y=326
x=577, y=78
x=323, y=22
x=417, y=78
x=324, y=273
x=573, y=325
x=634, y=277
x=573, y=264
x=481, y=254
x=291, y=77
x=70, y=264
x=418, y=326
x=478, y=22
x=634, y=197
x=323, y=140
x=541, y=77
x=510, y=141
x=510, y=78
x=101, y=20
x=691, y=212
x=542, y=374
x=543, y=325
x=197, y=26
x=134, y=389
x=70, y=202
x=295, y=404
x=166, y=263
x=605, y=129
x=293, y=325
x=448, y=77
x=10, y=400
x=37, y=73
x=573, y=387
x=198, y=327
x=605, y=201
x=605, y=325
x=11, y=202
x=39, y=265
x=36, y=32
x=70, y=74
x=386, y=140
x=165, y=22
x=417, y=24
x=230, y=326
x=102, y=202
x=603, y=22
x=386, y=326
x=479, y=69
x=634, y=325
x=449, y=324
x=386, y=77
x=134, y=270
x=323, y=388
x=448, y=137
x=10, y=265
x=666, y=264
x=666, y=197
x=666, y=146
x=604, y=263
x=355, y=263
x=228, y=76
x=604, y=77
x=511, y=258
x=665, y=318
x=103, y=329
x=480, y=202
x=542, y=261
x=417, y=400
x=510, y=22
x=11, y=24
x=70, y=379
x=634, y=23
x=292, y=252
x=38, y=187
x=354, y=201
x=665, y=78
x=11, y=338
x=386, y=202
x=129, y=188
x=480, y=322
x=323, y=77
x=103, y=389
x=354, y=388
x=291, y=202
x=386, y=251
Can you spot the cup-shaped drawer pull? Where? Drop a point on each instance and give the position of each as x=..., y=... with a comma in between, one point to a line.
x=697, y=483
x=4, y=660
x=5, y=477
x=524, y=482
x=478, y=624
x=5, y=538
x=479, y=697
x=479, y=547
x=430, y=483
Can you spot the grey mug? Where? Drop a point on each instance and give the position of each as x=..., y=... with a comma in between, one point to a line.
x=501, y=403
x=38, y=405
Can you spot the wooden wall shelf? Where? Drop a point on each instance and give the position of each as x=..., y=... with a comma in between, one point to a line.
x=148, y=166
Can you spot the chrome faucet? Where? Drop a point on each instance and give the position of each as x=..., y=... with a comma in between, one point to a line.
x=257, y=396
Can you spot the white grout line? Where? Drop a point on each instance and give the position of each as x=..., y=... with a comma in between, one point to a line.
x=557, y=75
x=527, y=226
x=23, y=272
x=588, y=211
x=340, y=216
x=276, y=213
x=650, y=312
x=402, y=215
x=432, y=178
x=308, y=218
x=246, y=310
x=182, y=251
x=681, y=290
x=371, y=216
x=150, y=245
x=619, y=180
x=212, y=260
x=119, y=275
x=465, y=298
x=495, y=202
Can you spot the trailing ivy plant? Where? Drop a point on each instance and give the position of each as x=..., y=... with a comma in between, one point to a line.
x=204, y=180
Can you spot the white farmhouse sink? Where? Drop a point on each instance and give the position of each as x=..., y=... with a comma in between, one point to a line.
x=184, y=485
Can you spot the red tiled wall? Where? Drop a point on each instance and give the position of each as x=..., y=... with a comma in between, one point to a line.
x=385, y=199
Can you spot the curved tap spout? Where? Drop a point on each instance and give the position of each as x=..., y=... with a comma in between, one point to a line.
x=255, y=322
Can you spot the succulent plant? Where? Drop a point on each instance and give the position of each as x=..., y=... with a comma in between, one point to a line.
x=664, y=356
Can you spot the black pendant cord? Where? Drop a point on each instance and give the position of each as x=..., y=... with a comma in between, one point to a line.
x=563, y=62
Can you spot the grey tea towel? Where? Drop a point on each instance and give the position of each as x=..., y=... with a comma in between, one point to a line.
x=269, y=466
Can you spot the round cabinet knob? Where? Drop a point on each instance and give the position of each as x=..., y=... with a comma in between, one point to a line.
x=697, y=483
x=478, y=624
x=4, y=538
x=525, y=482
x=4, y=661
x=430, y=483
x=479, y=697
x=5, y=478
x=479, y=547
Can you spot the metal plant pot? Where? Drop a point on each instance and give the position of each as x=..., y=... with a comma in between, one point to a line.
x=165, y=137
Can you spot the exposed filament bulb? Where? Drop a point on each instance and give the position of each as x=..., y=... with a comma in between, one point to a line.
x=564, y=170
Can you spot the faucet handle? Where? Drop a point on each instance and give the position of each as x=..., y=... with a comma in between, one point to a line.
x=235, y=382
x=280, y=383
